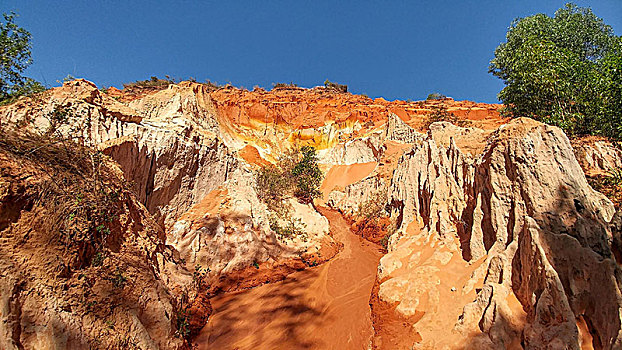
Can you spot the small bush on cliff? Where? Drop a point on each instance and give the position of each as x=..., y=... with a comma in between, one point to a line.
x=153, y=82
x=329, y=85
x=296, y=174
x=293, y=227
x=440, y=114
x=284, y=85
x=436, y=96
x=372, y=220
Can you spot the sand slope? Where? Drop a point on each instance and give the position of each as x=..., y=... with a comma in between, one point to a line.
x=325, y=307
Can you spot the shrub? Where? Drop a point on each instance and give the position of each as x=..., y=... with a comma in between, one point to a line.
x=182, y=324
x=118, y=279
x=440, y=114
x=307, y=175
x=329, y=85
x=284, y=85
x=294, y=227
x=295, y=174
x=273, y=184
x=436, y=96
x=153, y=82
x=372, y=219
x=98, y=259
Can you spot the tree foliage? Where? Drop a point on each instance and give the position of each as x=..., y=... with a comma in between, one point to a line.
x=307, y=175
x=14, y=59
x=563, y=70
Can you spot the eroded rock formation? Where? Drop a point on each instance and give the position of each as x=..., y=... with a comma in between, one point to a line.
x=515, y=227
x=494, y=237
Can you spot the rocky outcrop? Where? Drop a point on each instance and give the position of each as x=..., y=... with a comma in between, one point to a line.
x=597, y=156
x=511, y=224
x=175, y=151
x=496, y=238
x=69, y=286
x=360, y=150
x=397, y=130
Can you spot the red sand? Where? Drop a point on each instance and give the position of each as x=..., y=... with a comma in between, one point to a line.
x=325, y=307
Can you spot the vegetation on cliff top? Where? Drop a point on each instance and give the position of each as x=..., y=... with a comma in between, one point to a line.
x=564, y=70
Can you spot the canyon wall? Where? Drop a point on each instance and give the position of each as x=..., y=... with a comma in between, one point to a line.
x=494, y=237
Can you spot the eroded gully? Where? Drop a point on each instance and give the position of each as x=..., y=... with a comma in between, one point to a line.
x=324, y=307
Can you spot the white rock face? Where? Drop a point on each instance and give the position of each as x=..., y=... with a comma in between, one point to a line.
x=522, y=215
x=173, y=150
x=359, y=150
x=397, y=130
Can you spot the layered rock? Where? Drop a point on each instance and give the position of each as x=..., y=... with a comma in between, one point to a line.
x=176, y=151
x=597, y=156
x=496, y=241
x=60, y=292
x=516, y=227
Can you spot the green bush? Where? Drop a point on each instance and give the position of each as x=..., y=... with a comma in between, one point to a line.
x=153, y=82
x=296, y=174
x=329, y=85
x=307, y=175
x=284, y=85
x=563, y=70
x=436, y=96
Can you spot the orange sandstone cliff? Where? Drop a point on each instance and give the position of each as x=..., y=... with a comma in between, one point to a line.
x=486, y=235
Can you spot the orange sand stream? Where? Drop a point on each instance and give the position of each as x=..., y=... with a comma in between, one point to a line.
x=324, y=307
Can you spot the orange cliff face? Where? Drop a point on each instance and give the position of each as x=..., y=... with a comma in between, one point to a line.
x=277, y=119
x=307, y=113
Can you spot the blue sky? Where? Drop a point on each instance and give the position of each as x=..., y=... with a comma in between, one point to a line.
x=393, y=49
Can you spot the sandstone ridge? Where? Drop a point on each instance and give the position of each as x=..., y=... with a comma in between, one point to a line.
x=494, y=237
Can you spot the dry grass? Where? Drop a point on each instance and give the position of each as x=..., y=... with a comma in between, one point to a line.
x=81, y=195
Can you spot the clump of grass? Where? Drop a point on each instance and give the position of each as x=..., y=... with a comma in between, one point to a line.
x=153, y=82
x=118, y=279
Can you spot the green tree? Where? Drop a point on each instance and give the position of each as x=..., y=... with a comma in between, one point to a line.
x=14, y=59
x=558, y=69
x=307, y=175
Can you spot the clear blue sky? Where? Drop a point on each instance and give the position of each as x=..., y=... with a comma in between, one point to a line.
x=393, y=49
